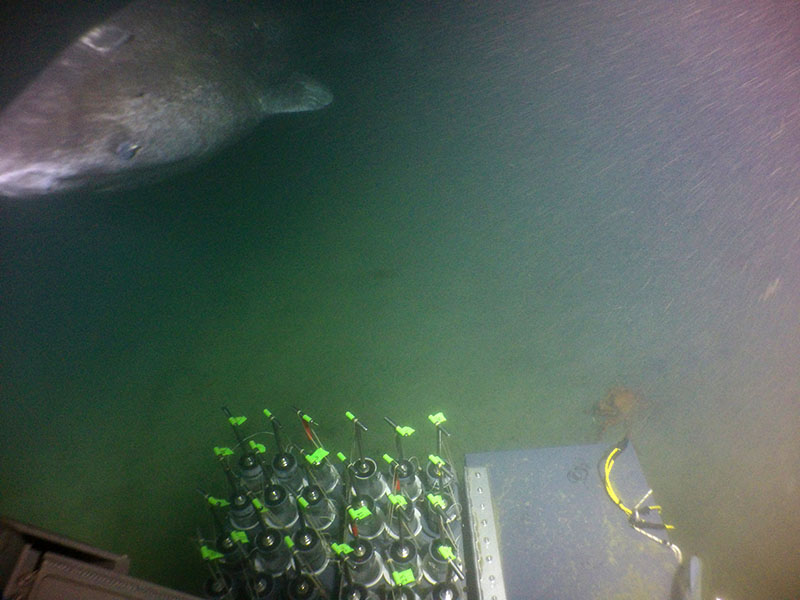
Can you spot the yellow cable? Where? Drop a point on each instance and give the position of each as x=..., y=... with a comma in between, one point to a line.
x=613, y=495
x=609, y=488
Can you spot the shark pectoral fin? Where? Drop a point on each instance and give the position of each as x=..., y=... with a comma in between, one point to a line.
x=298, y=93
x=105, y=38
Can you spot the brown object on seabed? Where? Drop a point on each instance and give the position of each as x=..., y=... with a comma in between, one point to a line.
x=620, y=406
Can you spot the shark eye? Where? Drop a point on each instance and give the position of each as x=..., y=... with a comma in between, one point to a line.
x=127, y=150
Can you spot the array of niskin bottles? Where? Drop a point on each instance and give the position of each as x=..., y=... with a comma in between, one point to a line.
x=302, y=524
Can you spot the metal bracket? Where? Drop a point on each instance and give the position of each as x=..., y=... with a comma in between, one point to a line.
x=484, y=534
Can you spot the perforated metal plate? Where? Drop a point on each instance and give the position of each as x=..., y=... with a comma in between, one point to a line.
x=486, y=547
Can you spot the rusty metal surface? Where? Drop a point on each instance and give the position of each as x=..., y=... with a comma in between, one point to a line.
x=61, y=578
x=43, y=540
x=36, y=564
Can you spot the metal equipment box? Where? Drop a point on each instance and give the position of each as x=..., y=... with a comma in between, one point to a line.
x=544, y=527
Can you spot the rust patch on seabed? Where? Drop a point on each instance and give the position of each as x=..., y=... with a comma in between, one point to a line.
x=621, y=406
